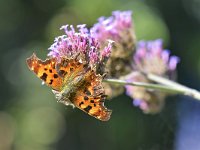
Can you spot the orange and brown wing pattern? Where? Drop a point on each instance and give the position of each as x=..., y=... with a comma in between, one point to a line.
x=69, y=69
x=46, y=71
x=86, y=91
x=91, y=97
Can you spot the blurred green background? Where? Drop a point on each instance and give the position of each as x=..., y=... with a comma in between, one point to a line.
x=30, y=117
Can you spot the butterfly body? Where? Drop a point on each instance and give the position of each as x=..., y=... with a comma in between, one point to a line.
x=73, y=83
x=69, y=88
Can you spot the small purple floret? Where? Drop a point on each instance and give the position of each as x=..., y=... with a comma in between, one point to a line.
x=137, y=102
x=173, y=61
x=107, y=50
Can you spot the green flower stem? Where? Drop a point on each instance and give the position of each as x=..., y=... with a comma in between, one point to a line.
x=159, y=87
x=164, y=86
x=187, y=91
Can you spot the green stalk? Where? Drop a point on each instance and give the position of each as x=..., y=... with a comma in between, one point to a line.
x=187, y=91
x=165, y=85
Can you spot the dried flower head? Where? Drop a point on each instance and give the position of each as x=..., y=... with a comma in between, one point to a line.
x=150, y=57
x=118, y=28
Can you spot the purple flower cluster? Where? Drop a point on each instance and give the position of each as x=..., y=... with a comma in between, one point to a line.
x=150, y=57
x=113, y=26
x=79, y=44
x=118, y=28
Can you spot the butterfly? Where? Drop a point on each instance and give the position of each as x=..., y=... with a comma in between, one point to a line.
x=73, y=83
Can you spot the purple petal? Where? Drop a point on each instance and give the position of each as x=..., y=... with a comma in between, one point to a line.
x=155, y=47
x=107, y=50
x=174, y=60
x=165, y=55
x=137, y=102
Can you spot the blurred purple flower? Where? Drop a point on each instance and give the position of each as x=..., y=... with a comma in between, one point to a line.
x=113, y=26
x=150, y=57
x=117, y=28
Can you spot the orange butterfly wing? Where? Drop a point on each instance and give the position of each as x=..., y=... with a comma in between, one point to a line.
x=68, y=69
x=89, y=95
x=90, y=98
x=46, y=71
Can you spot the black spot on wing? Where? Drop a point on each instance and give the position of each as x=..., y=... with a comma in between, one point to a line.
x=81, y=103
x=62, y=73
x=55, y=76
x=86, y=98
x=87, y=109
x=44, y=76
x=51, y=81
